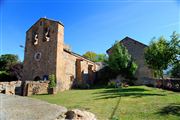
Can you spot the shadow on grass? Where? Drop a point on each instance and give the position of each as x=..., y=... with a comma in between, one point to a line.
x=41, y=94
x=115, y=109
x=125, y=92
x=171, y=109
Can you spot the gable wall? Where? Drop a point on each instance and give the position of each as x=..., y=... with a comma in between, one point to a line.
x=136, y=50
x=47, y=64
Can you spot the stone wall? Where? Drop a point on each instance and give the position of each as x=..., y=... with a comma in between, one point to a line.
x=11, y=88
x=35, y=87
x=46, y=63
x=136, y=49
x=69, y=69
x=78, y=69
x=59, y=59
x=43, y=58
x=170, y=84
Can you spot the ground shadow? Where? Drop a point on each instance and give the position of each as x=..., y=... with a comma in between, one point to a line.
x=171, y=109
x=125, y=92
x=42, y=94
x=115, y=109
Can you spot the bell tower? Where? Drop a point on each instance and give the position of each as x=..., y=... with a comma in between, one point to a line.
x=43, y=54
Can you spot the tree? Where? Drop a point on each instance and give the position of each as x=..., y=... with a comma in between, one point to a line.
x=174, y=46
x=162, y=53
x=8, y=60
x=4, y=76
x=101, y=58
x=121, y=62
x=155, y=56
x=10, y=68
x=90, y=55
x=175, y=72
x=95, y=57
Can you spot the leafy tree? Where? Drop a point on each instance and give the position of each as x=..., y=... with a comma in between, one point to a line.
x=162, y=53
x=10, y=68
x=131, y=69
x=155, y=56
x=8, y=60
x=174, y=46
x=101, y=58
x=95, y=57
x=121, y=62
x=4, y=76
x=90, y=55
x=175, y=72
x=175, y=49
x=119, y=57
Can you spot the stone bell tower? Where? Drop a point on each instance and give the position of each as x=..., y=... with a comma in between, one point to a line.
x=43, y=51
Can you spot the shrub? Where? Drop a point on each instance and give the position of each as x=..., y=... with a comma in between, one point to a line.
x=52, y=79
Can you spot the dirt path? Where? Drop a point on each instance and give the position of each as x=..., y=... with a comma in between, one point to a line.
x=23, y=108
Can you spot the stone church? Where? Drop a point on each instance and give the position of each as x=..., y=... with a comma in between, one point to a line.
x=46, y=54
x=136, y=49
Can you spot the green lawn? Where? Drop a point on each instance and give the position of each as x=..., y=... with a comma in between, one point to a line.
x=132, y=103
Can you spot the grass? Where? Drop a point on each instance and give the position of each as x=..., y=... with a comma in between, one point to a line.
x=132, y=103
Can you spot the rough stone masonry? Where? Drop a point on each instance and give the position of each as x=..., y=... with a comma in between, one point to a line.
x=46, y=54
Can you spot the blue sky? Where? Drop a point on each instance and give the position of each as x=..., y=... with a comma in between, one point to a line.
x=92, y=25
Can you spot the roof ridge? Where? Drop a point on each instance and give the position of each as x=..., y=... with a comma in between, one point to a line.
x=127, y=37
x=45, y=19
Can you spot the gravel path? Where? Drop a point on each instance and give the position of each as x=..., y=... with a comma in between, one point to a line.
x=14, y=107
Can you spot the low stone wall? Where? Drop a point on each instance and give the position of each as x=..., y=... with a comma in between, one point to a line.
x=170, y=84
x=11, y=88
x=35, y=87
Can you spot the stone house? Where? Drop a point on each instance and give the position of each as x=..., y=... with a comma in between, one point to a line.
x=46, y=54
x=136, y=49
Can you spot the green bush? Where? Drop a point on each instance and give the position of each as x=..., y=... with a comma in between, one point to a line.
x=52, y=79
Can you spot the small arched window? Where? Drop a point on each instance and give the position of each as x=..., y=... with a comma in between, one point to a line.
x=47, y=34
